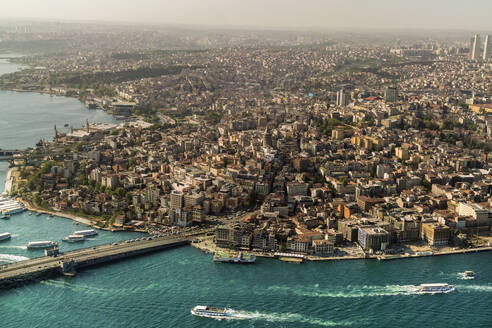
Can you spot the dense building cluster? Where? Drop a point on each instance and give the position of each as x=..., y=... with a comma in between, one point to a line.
x=303, y=149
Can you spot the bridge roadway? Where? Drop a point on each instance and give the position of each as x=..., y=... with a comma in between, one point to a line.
x=49, y=266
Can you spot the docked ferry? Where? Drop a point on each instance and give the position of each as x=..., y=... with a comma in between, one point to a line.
x=210, y=312
x=74, y=238
x=41, y=244
x=86, y=233
x=232, y=258
x=4, y=236
x=440, y=288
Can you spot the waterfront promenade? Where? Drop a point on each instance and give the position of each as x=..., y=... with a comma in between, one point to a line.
x=18, y=273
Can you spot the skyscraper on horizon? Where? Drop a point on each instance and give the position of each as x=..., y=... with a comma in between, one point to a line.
x=486, y=47
x=475, y=50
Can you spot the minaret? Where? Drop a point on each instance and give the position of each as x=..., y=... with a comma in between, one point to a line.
x=87, y=126
x=56, y=133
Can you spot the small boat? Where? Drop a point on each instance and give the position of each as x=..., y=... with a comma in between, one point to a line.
x=468, y=275
x=40, y=244
x=5, y=217
x=74, y=238
x=5, y=236
x=210, y=312
x=439, y=288
x=38, y=214
x=86, y=233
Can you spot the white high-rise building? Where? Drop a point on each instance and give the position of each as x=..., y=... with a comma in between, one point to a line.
x=342, y=98
x=486, y=47
x=475, y=50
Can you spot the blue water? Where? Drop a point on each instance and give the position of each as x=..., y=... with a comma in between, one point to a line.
x=158, y=290
x=27, y=117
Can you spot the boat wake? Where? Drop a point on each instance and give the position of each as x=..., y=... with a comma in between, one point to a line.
x=287, y=317
x=16, y=247
x=474, y=288
x=350, y=291
x=8, y=258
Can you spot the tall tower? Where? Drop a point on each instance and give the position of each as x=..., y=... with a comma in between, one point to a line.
x=391, y=94
x=56, y=132
x=342, y=99
x=486, y=47
x=475, y=50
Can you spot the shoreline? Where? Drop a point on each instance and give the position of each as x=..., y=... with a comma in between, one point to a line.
x=74, y=218
x=208, y=247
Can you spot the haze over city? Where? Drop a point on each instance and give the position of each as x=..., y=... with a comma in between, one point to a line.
x=275, y=163
x=335, y=14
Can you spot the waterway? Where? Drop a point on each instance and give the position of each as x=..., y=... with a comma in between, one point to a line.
x=159, y=290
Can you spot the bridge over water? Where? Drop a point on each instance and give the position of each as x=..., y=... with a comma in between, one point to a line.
x=68, y=263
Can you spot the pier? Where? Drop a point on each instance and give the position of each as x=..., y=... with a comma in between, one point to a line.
x=68, y=263
x=8, y=154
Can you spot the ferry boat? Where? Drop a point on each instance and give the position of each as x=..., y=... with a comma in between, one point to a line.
x=5, y=236
x=41, y=244
x=440, y=288
x=232, y=258
x=210, y=312
x=468, y=275
x=74, y=238
x=86, y=233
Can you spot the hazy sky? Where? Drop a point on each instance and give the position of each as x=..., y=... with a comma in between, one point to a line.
x=435, y=14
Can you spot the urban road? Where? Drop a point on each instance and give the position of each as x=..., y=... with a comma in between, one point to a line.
x=19, y=273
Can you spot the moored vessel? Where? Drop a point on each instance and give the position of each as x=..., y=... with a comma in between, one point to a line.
x=210, y=312
x=438, y=288
x=40, y=244
x=234, y=258
x=74, y=238
x=5, y=236
x=86, y=233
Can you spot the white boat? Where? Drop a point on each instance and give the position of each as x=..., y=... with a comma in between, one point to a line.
x=468, y=275
x=234, y=258
x=4, y=236
x=210, y=312
x=74, y=238
x=439, y=288
x=86, y=233
x=41, y=244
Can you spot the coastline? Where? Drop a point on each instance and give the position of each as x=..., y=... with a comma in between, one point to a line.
x=75, y=218
x=206, y=245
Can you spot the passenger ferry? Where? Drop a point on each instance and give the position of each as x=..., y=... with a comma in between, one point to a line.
x=232, y=258
x=468, y=275
x=440, y=288
x=86, y=233
x=74, y=238
x=210, y=312
x=4, y=236
x=41, y=244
